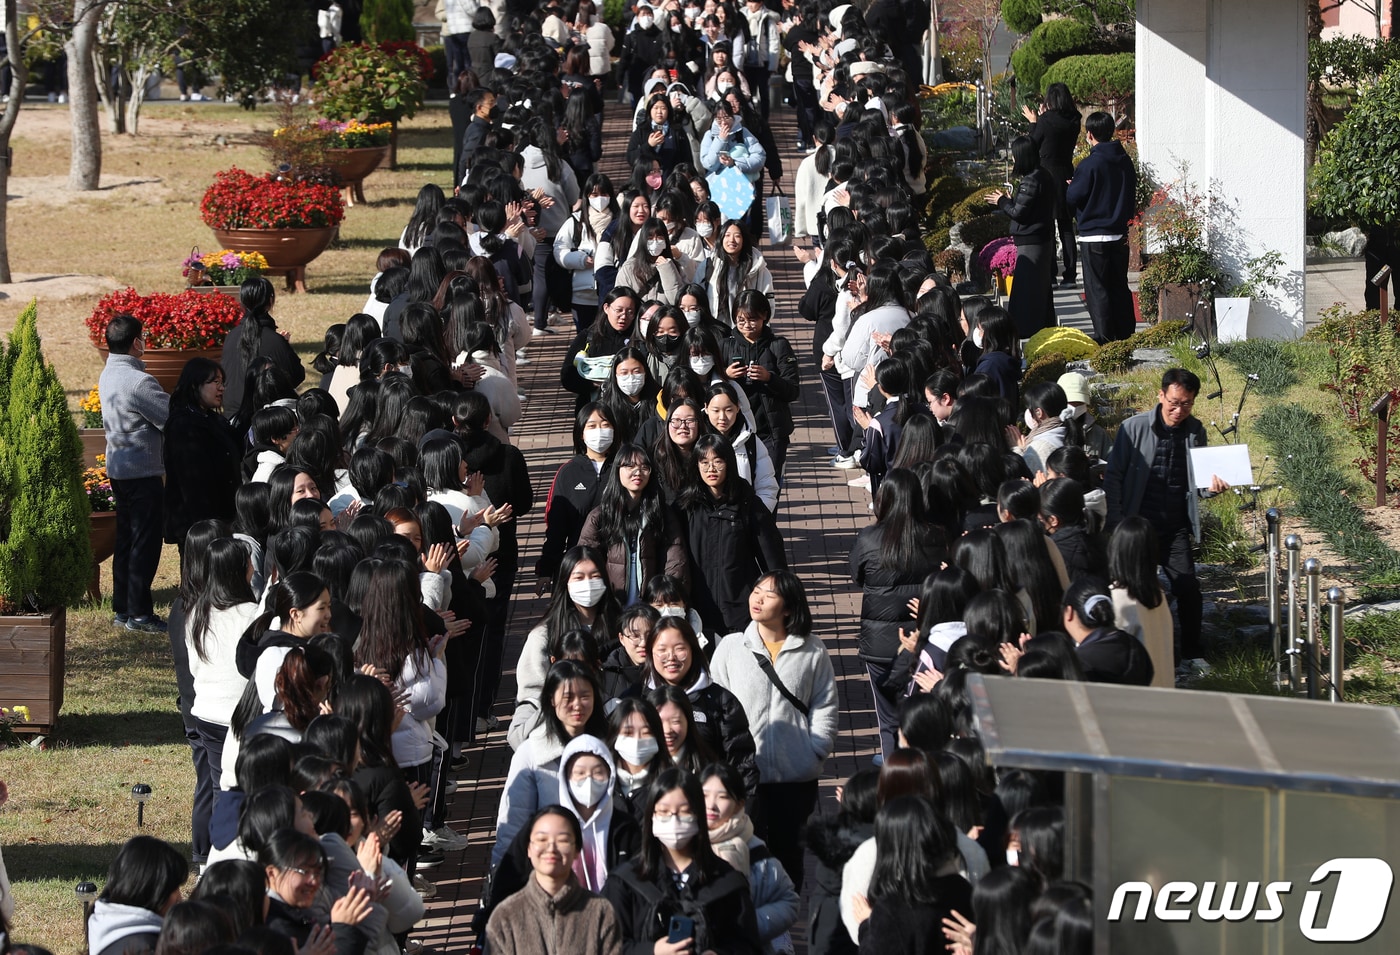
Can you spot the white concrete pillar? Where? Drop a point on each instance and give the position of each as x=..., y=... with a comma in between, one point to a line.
x=1221, y=91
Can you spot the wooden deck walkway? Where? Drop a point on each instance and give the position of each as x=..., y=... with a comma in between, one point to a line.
x=819, y=517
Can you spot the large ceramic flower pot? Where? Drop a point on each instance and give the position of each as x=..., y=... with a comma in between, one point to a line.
x=288, y=251
x=353, y=166
x=32, y=653
x=165, y=364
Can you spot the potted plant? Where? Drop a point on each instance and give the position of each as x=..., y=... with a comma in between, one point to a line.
x=91, y=433
x=102, y=523
x=371, y=84
x=177, y=327
x=223, y=271
x=1260, y=274
x=351, y=150
x=289, y=220
x=45, y=558
x=998, y=257
x=1180, y=279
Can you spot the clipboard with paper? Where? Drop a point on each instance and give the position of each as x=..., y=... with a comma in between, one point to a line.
x=1229, y=462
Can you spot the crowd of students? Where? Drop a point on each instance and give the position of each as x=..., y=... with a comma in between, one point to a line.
x=349, y=552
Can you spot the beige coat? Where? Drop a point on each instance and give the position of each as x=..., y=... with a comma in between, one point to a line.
x=1154, y=628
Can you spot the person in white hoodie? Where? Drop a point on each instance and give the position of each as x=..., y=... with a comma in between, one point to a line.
x=783, y=676
x=483, y=351
x=551, y=181
x=882, y=311
x=143, y=883
x=579, y=246
x=456, y=19
x=572, y=705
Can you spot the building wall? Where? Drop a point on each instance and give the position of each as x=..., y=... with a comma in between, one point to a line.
x=1220, y=97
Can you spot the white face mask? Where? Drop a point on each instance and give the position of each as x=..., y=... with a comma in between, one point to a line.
x=704, y=229
x=404, y=369
x=692, y=12
x=1078, y=411
x=588, y=791
x=675, y=28
x=1030, y=419
x=631, y=385
x=643, y=324
x=1012, y=857
x=673, y=611
x=724, y=87
x=692, y=317
x=644, y=23
x=598, y=440
x=977, y=336
x=674, y=833
x=702, y=365
x=655, y=246
x=599, y=203
x=587, y=593
x=636, y=750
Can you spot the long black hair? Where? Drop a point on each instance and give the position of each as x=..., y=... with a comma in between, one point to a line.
x=256, y=295
x=560, y=616
x=696, y=493
x=906, y=533
x=626, y=519
x=1132, y=560
x=914, y=842
x=1028, y=560
x=560, y=674
x=197, y=373
x=425, y=213
x=224, y=583
x=146, y=871
x=367, y=702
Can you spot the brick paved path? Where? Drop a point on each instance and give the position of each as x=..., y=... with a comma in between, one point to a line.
x=818, y=515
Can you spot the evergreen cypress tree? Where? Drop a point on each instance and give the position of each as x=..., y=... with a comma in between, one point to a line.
x=45, y=556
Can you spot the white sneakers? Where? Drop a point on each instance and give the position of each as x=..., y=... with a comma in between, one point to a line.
x=445, y=839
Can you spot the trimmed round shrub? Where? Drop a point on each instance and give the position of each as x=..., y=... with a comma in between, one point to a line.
x=1099, y=79
x=1022, y=16
x=1048, y=367
x=1071, y=343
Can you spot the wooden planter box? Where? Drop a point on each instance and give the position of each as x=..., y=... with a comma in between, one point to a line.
x=32, y=656
x=94, y=441
x=1187, y=302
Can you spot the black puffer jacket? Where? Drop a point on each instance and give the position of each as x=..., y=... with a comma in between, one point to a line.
x=1109, y=655
x=722, y=910
x=1032, y=209
x=731, y=546
x=1083, y=553
x=724, y=726
x=831, y=841
x=201, y=469
x=884, y=605
x=572, y=495
x=297, y=924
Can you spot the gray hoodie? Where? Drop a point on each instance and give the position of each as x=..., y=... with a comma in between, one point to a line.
x=113, y=924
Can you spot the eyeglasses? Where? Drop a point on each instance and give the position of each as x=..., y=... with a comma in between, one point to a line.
x=634, y=636
x=680, y=816
x=681, y=424
x=306, y=873
x=742, y=319
x=636, y=468
x=712, y=465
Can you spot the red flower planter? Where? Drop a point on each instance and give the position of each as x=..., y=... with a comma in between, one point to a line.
x=165, y=364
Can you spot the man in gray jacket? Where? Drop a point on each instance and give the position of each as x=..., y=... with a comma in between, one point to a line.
x=1149, y=474
x=134, y=410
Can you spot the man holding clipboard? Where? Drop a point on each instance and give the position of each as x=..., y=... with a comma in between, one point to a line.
x=1149, y=474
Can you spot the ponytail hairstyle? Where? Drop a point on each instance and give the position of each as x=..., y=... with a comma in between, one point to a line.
x=301, y=670
x=293, y=592
x=1089, y=598
x=1050, y=398
x=894, y=378
x=256, y=295
x=491, y=216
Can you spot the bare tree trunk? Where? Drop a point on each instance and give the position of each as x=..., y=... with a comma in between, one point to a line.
x=85, y=170
x=139, y=76
x=19, y=77
x=109, y=98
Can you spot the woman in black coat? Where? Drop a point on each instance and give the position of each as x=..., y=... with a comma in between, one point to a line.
x=1032, y=214
x=732, y=537
x=1055, y=130
x=890, y=560
x=575, y=488
x=713, y=896
x=241, y=346
x=201, y=452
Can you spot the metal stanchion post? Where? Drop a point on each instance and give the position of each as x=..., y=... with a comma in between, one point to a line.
x=1271, y=545
x=1312, y=568
x=1293, y=544
x=1337, y=658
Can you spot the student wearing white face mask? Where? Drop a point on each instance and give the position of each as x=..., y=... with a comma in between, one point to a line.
x=631, y=389
x=581, y=601
x=574, y=490
x=677, y=863
x=654, y=269
x=581, y=246
x=639, y=751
